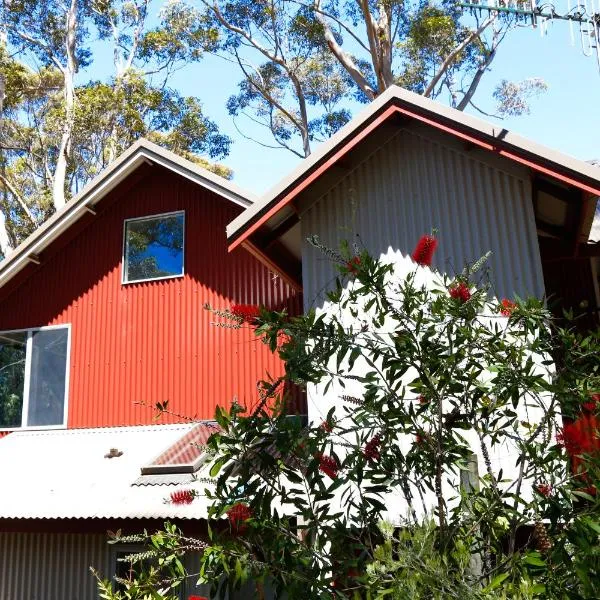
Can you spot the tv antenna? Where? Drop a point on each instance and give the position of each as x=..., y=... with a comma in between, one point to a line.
x=583, y=17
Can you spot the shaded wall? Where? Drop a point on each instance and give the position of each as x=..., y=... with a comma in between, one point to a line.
x=421, y=180
x=51, y=566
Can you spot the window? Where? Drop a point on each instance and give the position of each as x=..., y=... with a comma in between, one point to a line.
x=33, y=377
x=124, y=571
x=153, y=247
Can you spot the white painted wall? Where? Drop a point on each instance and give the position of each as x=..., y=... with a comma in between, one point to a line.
x=417, y=181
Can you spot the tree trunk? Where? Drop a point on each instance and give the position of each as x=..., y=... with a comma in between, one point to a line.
x=5, y=245
x=384, y=32
x=344, y=58
x=64, y=153
x=303, y=115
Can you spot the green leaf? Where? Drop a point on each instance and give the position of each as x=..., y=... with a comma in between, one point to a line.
x=497, y=581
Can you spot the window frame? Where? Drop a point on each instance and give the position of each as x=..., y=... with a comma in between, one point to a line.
x=124, y=280
x=27, y=382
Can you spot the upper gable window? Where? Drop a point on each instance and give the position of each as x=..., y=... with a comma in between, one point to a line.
x=34, y=377
x=153, y=247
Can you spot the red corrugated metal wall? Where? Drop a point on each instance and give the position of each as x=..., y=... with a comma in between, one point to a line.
x=151, y=342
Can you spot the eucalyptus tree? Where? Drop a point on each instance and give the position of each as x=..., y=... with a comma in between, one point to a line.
x=300, y=59
x=61, y=123
x=53, y=33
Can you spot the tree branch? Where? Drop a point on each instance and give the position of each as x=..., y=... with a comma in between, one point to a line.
x=455, y=52
x=11, y=188
x=344, y=58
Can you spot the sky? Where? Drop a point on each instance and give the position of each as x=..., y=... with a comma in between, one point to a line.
x=566, y=117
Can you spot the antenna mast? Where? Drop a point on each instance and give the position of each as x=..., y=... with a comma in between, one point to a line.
x=580, y=14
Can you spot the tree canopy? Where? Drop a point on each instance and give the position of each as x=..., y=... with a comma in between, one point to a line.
x=304, y=61
x=61, y=124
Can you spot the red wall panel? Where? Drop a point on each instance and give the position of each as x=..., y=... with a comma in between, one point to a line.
x=151, y=342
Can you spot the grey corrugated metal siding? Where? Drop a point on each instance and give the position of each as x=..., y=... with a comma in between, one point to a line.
x=51, y=566
x=416, y=182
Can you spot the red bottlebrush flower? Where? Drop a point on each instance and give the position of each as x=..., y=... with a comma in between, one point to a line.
x=545, y=489
x=460, y=291
x=353, y=264
x=328, y=465
x=245, y=312
x=423, y=254
x=507, y=307
x=183, y=496
x=592, y=404
x=371, y=449
x=237, y=515
x=573, y=439
x=327, y=426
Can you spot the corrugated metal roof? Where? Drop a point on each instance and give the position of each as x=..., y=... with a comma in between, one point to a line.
x=398, y=100
x=64, y=474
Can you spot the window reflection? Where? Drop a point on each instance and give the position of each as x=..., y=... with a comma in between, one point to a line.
x=154, y=247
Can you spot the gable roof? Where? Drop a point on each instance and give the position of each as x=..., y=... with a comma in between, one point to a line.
x=140, y=153
x=396, y=102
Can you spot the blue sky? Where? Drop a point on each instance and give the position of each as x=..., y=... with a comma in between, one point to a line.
x=566, y=117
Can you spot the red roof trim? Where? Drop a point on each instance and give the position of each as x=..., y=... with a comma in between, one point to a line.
x=348, y=146
x=314, y=175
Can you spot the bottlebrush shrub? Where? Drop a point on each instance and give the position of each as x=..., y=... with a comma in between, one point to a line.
x=421, y=386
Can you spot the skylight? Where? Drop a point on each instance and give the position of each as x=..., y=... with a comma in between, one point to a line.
x=186, y=455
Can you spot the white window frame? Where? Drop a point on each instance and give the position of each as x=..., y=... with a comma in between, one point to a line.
x=25, y=410
x=124, y=280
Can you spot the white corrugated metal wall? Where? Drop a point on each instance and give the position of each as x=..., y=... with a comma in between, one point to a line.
x=51, y=566
x=417, y=181
x=420, y=180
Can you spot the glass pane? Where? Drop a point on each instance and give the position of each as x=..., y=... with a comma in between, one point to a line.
x=48, y=375
x=154, y=247
x=13, y=349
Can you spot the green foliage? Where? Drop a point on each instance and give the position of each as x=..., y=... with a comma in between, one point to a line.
x=159, y=569
x=108, y=115
x=425, y=379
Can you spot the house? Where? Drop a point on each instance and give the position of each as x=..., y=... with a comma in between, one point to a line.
x=101, y=308
x=406, y=166
x=101, y=319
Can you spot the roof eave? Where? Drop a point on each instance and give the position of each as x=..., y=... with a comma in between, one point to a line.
x=400, y=102
x=142, y=152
